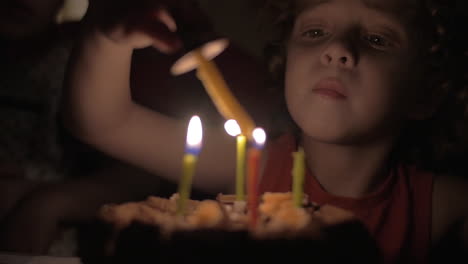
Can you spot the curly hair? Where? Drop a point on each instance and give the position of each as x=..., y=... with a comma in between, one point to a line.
x=438, y=143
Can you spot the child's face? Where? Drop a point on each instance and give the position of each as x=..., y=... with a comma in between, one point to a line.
x=347, y=71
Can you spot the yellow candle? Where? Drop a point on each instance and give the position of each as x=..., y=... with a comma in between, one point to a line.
x=233, y=129
x=240, y=168
x=298, y=176
x=192, y=149
x=221, y=95
x=185, y=185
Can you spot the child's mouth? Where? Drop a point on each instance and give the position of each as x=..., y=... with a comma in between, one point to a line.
x=330, y=87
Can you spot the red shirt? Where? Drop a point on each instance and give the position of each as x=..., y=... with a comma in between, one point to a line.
x=397, y=214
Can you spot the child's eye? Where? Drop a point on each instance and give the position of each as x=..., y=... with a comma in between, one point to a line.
x=378, y=41
x=314, y=33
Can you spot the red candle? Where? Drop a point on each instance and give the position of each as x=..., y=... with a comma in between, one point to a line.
x=253, y=170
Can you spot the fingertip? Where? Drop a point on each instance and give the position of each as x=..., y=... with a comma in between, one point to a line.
x=165, y=17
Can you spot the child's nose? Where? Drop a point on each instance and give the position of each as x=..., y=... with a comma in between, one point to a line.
x=339, y=55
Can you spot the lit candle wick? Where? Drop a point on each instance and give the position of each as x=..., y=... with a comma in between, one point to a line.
x=233, y=129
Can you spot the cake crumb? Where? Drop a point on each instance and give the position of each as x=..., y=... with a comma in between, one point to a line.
x=208, y=214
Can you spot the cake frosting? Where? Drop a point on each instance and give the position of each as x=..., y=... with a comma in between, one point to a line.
x=278, y=216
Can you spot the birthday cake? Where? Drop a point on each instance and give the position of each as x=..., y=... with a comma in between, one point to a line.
x=215, y=230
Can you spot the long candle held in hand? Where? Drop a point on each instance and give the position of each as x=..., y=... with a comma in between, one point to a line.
x=192, y=149
x=221, y=95
x=298, y=173
x=254, y=159
x=233, y=129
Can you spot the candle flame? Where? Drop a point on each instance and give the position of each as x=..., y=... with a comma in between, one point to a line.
x=195, y=133
x=259, y=136
x=232, y=128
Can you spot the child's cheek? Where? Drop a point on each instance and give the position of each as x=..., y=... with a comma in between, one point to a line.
x=390, y=64
x=303, y=53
